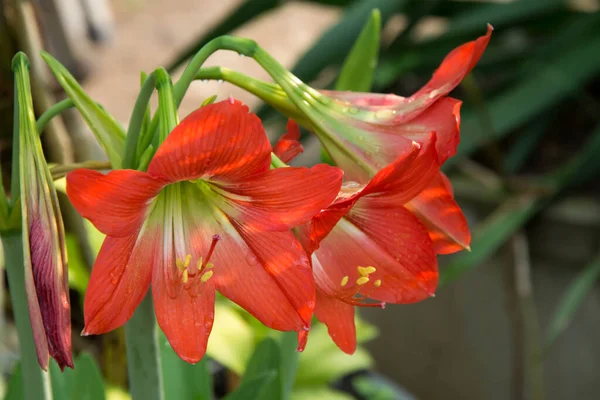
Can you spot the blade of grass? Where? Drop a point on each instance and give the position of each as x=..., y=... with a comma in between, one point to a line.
x=571, y=300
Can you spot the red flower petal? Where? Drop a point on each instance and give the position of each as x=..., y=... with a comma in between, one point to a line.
x=288, y=146
x=402, y=180
x=443, y=118
x=119, y=281
x=391, y=187
x=266, y=273
x=436, y=208
x=392, y=241
x=220, y=141
x=186, y=319
x=281, y=198
x=115, y=203
x=339, y=319
x=456, y=65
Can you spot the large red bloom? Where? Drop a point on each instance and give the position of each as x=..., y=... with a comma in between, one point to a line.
x=364, y=132
x=208, y=215
x=368, y=245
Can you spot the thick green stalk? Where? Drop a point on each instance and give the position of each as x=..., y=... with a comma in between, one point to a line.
x=268, y=92
x=136, y=121
x=167, y=105
x=141, y=332
x=36, y=382
x=143, y=354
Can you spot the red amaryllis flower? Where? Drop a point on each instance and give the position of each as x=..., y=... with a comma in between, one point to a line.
x=208, y=215
x=364, y=132
x=43, y=236
x=367, y=245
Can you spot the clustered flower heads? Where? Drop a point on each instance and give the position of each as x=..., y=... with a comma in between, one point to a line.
x=216, y=210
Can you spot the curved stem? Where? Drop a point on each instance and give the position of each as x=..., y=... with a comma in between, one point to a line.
x=270, y=93
x=52, y=112
x=36, y=382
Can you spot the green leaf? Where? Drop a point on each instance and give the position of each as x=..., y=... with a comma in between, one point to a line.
x=501, y=15
x=253, y=388
x=536, y=92
x=263, y=375
x=183, y=380
x=321, y=393
x=336, y=43
x=289, y=362
x=357, y=72
x=322, y=362
x=578, y=289
x=15, y=390
x=232, y=339
x=87, y=380
x=107, y=131
x=61, y=382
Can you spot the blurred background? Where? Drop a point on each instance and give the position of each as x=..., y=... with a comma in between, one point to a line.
x=516, y=318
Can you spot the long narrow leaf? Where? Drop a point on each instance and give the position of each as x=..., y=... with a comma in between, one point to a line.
x=574, y=295
x=357, y=71
x=107, y=131
x=183, y=380
x=335, y=44
x=535, y=92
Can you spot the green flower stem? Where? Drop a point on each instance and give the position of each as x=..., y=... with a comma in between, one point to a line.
x=36, y=382
x=269, y=92
x=143, y=354
x=136, y=121
x=303, y=97
x=59, y=171
x=52, y=112
x=276, y=162
x=141, y=332
x=167, y=105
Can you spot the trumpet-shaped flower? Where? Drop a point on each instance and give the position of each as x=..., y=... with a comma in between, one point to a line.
x=209, y=214
x=365, y=132
x=368, y=245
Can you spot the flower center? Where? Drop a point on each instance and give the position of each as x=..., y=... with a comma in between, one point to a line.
x=362, y=289
x=202, y=269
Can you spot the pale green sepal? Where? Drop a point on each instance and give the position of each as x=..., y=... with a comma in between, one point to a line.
x=108, y=132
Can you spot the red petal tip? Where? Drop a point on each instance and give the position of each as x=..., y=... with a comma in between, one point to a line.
x=84, y=333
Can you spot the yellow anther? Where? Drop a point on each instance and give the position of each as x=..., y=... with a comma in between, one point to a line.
x=377, y=283
x=209, y=265
x=185, y=276
x=186, y=262
x=366, y=271
x=207, y=275
x=362, y=280
x=199, y=264
x=180, y=264
x=345, y=280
